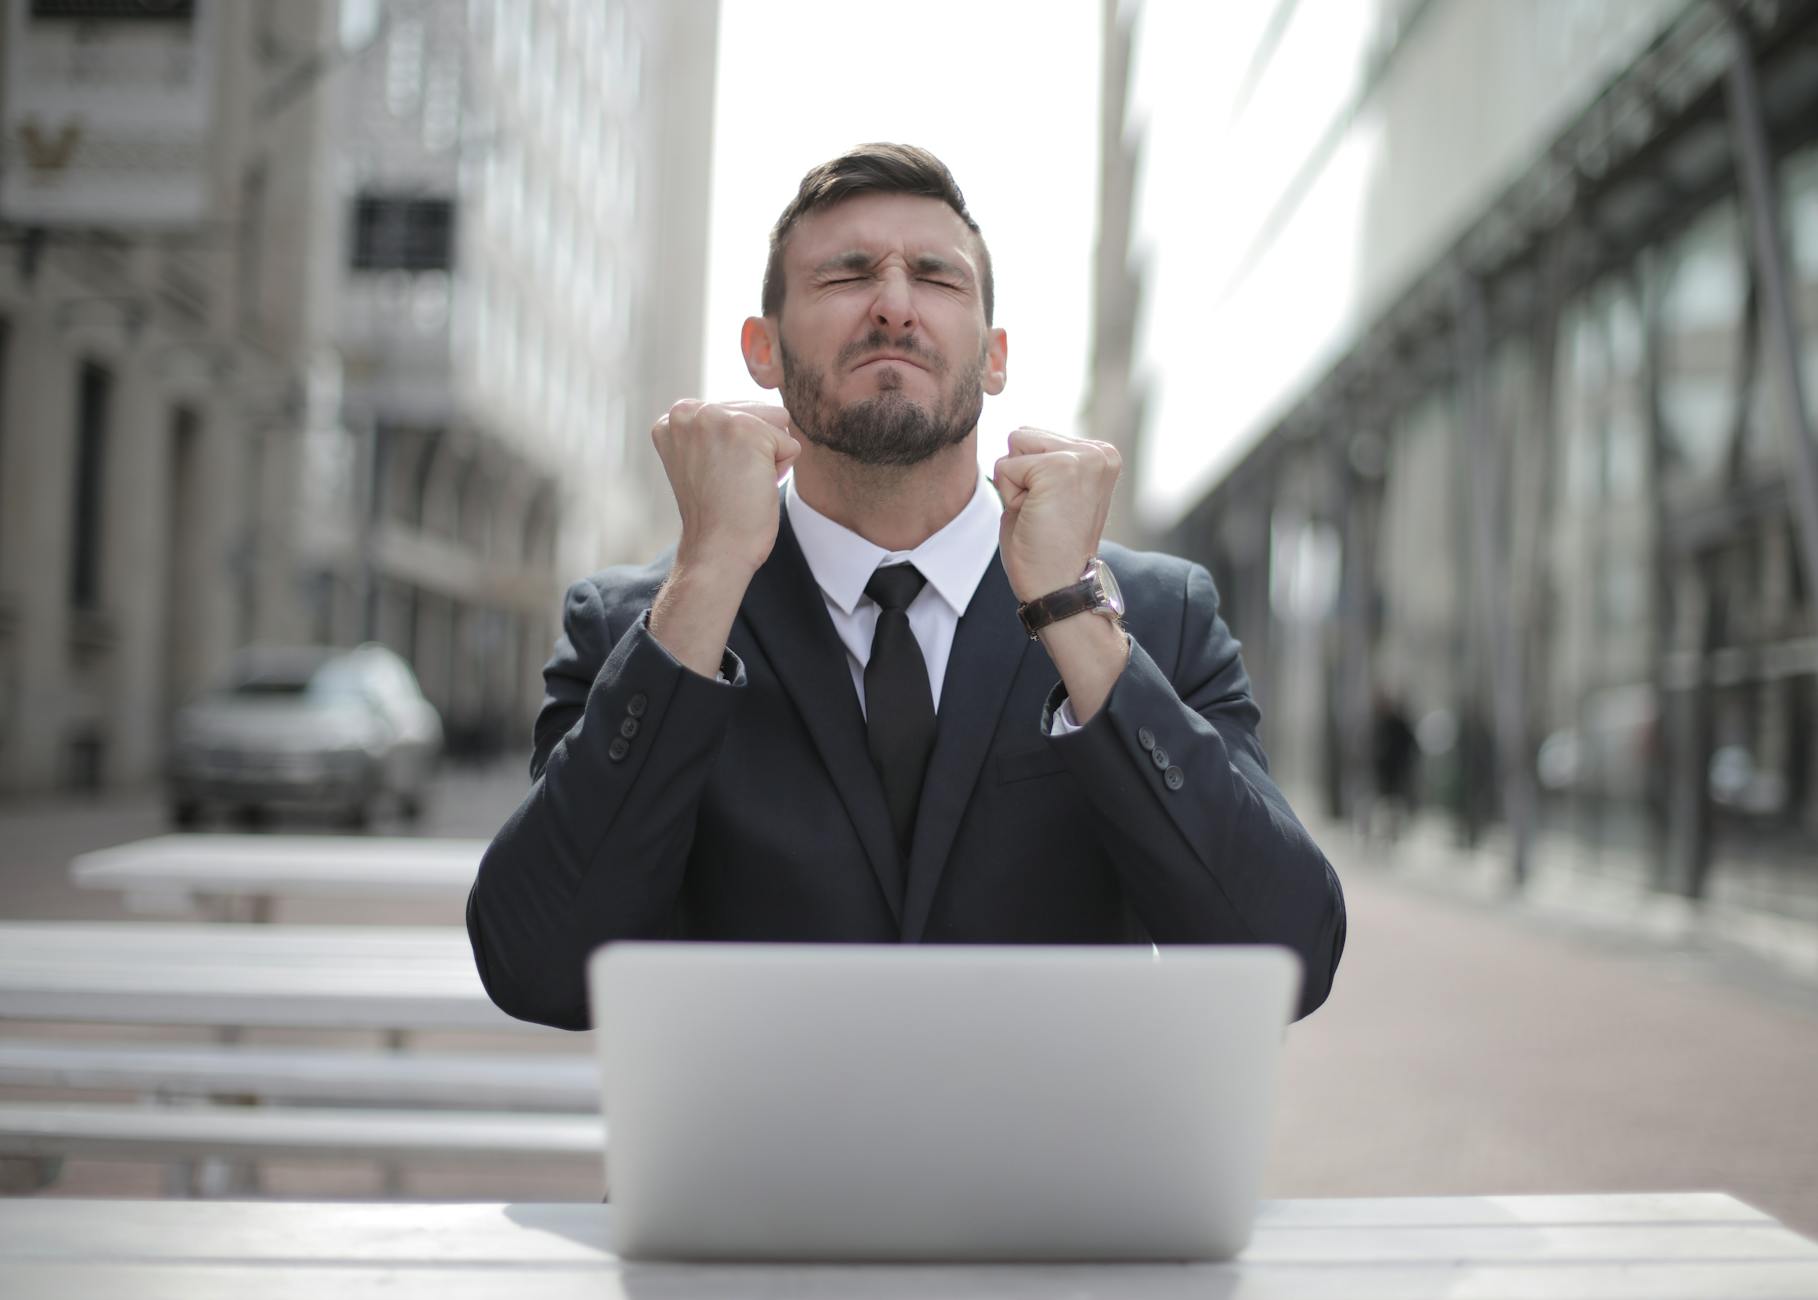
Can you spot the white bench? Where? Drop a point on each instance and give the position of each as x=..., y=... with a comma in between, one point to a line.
x=238, y=876
x=337, y=1076
x=403, y=979
x=1620, y=1247
x=177, y=1136
x=229, y=976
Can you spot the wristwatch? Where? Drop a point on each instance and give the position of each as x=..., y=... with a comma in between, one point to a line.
x=1096, y=592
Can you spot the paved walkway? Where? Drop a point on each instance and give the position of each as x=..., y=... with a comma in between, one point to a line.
x=1470, y=1045
x=1479, y=1047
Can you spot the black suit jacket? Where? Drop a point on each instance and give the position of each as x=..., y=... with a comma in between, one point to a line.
x=669, y=805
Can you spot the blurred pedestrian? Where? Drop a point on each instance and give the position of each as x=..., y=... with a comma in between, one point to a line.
x=1394, y=756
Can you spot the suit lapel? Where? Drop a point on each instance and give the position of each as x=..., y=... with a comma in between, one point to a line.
x=989, y=645
x=787, y=616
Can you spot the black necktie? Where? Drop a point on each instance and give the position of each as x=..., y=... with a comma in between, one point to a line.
x=899, y=707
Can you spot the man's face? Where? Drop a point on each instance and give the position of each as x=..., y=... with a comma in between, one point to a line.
x=884, y=350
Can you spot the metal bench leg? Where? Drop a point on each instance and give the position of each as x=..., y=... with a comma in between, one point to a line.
x=213, y=1176
x=391, y=1172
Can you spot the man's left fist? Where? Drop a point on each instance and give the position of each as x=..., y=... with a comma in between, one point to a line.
x=1056, y=493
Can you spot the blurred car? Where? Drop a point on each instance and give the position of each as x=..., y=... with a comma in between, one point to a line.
x=307, y=728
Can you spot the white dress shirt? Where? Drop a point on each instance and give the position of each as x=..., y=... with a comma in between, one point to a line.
x=953, y=561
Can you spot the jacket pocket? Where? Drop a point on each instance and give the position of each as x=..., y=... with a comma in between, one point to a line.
x=1027, y=764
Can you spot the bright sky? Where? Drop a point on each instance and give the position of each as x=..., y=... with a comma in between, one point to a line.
x=1222, y=339
x=1005, y=92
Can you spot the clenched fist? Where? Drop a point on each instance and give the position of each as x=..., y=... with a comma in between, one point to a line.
x=1057, y=493
x=724, y=461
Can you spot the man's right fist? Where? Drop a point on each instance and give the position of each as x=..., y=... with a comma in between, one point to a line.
x=724, y=460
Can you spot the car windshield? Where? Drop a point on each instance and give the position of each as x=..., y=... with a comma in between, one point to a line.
x=269, y=687
x=337, y=680
x=334, y=681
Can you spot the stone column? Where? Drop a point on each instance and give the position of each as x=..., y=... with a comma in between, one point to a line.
x=35, y=532
x=135, y=539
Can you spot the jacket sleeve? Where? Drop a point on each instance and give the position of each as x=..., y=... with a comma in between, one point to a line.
x=1207, y=846
x=624, y=744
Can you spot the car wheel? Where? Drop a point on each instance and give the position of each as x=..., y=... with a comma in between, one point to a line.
x=358, y=816
x=185, y=813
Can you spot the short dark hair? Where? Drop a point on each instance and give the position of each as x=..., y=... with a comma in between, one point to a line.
x=872, y=169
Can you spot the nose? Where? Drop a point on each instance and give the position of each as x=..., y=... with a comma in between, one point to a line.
x=894, y=308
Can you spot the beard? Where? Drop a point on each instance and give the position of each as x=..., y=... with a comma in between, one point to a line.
x=889, y=427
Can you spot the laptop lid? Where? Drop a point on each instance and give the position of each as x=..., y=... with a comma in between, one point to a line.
x=835, y=1101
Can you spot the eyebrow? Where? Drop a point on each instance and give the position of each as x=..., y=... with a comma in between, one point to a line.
x=922, y=264
x=928, y=264
x=852, y=261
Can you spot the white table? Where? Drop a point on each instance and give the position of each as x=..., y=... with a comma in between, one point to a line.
x=142, y=972
x=1615, y=1247
x=240, y=875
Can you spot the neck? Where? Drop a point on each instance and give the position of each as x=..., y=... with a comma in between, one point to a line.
x=897, y=507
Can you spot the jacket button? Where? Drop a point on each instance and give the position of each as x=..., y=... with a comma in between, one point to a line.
x=618, y=749
x=1174, y=778
x=636, y=705
x=1145, y=738
x=1159, y=757
x=628, y=728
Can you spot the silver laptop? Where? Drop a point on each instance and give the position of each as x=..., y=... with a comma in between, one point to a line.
x=850, y=1102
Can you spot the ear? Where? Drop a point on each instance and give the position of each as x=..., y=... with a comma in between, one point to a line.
x=763, y=350
x=997, y=357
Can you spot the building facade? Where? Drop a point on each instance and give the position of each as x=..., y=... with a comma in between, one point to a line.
x=329, y=321
x=146, y=320
x=520, y=191
x=1506, y=328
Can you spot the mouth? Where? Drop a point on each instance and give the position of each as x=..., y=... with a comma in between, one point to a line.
x=888, y=358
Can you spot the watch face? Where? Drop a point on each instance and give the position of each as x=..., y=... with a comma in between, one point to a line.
x=1107, y=583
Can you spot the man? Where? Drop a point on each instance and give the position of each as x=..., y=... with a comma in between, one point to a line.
x=823, y=718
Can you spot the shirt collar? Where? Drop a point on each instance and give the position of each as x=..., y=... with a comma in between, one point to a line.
x=953, y=561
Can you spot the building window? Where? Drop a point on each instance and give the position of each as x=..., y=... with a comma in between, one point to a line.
x=403, y=234
x=94, y=391
x=111, y=10
x=404, y=66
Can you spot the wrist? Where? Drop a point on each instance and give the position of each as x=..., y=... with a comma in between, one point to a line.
x=1102, y=638
x=710, y=562
x=692, y=615
x=1091, y=654
x=708, y=581
x=1049, y=578
x=1094, y=592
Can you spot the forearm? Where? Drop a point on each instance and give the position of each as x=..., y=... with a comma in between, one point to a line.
x=693, y=613
x=1206, y=845
x=1089, y=651
x=598, y=849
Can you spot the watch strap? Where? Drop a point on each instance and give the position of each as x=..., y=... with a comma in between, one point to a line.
x=1079, y=598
